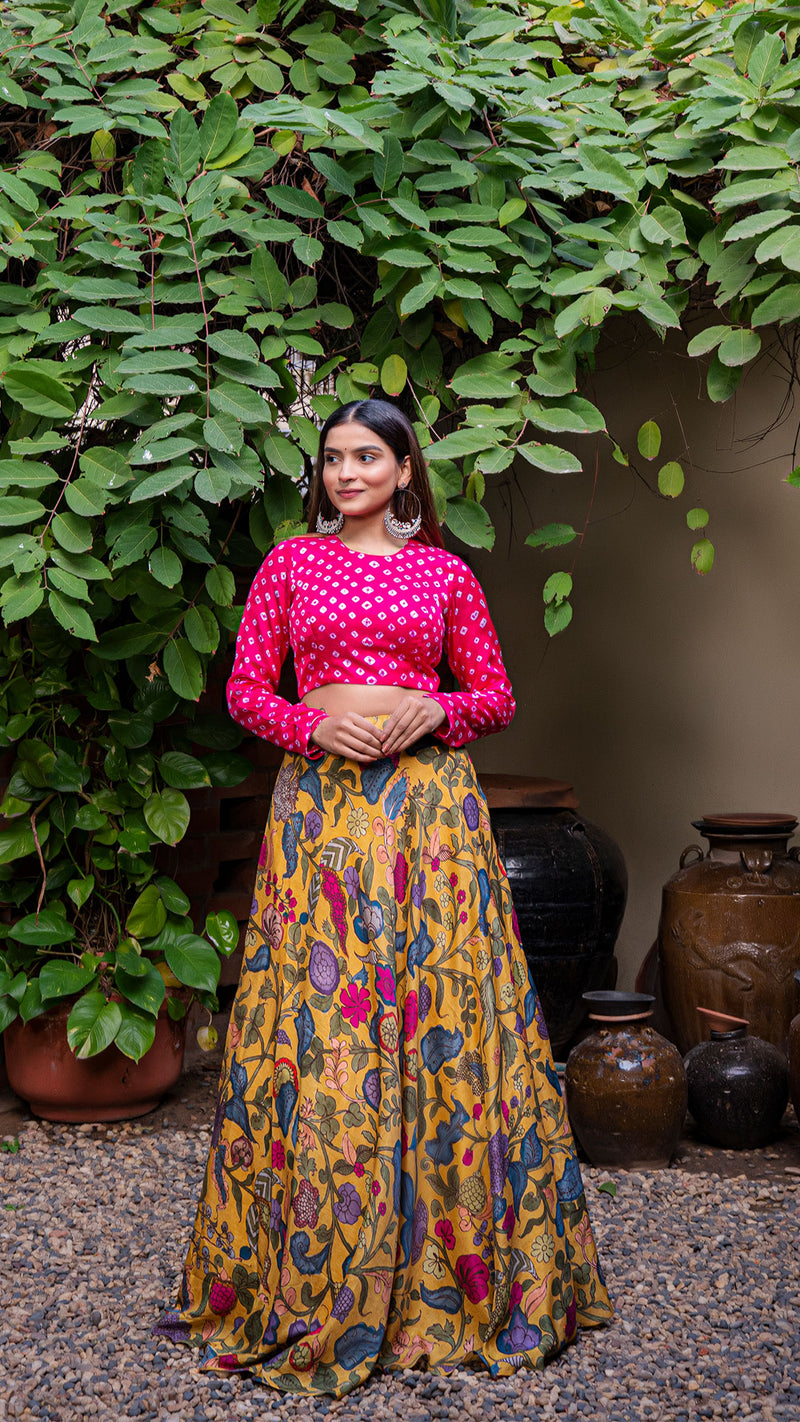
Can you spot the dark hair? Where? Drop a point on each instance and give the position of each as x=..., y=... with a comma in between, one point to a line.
x=396, y=430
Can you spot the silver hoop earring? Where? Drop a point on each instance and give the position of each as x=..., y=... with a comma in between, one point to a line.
x=403, y=529
x=329, y=525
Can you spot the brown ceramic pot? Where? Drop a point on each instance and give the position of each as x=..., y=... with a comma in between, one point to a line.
x=794, y=1056
x=730, y=927
x=625, y=1086
x=108, y=1087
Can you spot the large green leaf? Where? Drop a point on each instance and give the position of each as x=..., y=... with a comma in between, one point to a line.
x=92, y=1025
x=47, y=929
x=146, y=990
x=62, y=978
x=148, y=915
x=167, y=815
x=183, y=668
x=37, y=391
x=183, y=772
x=136, y=1032
x=194, y=962
x=470, y=523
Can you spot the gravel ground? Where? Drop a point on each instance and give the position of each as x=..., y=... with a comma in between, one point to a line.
x=703, y=1265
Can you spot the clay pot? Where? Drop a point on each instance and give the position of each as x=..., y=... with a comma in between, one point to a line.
x=730, y=927
x=738, y=1088
x=108, y=1087
x=794, y=1056
x=569, y=883
x=625, y=1085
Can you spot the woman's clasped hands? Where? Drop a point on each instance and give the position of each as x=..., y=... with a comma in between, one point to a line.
x=359, y=738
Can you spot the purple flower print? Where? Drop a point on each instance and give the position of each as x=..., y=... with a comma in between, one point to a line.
x=418, y=891
x=471, y=812
x=519, y=1336
x=498, y=1150
x=419, y=1229
x=347, y=1206
x=350, y=877
x=313, y=824
x=275, y=1216
x=343, y=1304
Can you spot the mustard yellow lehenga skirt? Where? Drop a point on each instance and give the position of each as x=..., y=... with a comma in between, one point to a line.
x=392, y=1182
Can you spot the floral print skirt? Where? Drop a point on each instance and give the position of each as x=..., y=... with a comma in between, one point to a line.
x=392, y=1182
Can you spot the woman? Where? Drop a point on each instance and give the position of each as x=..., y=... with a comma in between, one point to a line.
x=392, y=1182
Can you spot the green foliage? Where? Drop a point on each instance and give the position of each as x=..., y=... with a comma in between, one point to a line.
x=217, y=218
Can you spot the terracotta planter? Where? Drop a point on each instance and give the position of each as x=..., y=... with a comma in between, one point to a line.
x=108, y=1087
x=625, y=1086
x=730, y=928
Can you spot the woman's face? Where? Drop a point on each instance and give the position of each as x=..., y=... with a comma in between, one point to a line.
x=360, y=472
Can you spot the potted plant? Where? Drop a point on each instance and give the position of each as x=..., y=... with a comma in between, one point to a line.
x=99, y=958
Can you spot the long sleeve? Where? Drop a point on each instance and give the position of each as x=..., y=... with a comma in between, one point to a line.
x=261, y=648
x=485, y=702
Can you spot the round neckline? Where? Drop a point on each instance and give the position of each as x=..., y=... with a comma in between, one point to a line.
x=359, y=553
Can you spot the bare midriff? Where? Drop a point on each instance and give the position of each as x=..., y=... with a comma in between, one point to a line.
x=339, y=698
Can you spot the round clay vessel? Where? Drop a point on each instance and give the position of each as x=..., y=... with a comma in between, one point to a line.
x=794, y=1056
x=730, y=927
x=738, y=1089
x=108, y=1087
x=625, y=1086
x=569, y=883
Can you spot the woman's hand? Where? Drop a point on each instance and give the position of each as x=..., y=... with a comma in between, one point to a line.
x=350, y=735
x=415, y=716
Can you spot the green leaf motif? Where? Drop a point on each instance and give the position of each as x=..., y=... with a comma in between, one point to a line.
x=72, y=616
x=148, y=915
x=184, y=142
x=194, y=962
x=183, y=772
x=37, y=391
x=703, y=556
x=136, y=1034
x=470, y=523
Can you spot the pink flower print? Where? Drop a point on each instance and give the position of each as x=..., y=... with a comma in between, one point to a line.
x=358, y=1169
x=516, y=1295
x=335, y=895
x=382, y=1208
x=454, y=881
x=462, y=917
x=468, y=1156
x=461, y=896
x=446, y=1233
x=410, y=1015
x=505, y=1112
x=473, y=1277
x=384, y=979
x=375, y=1187
x=400, y=877
x=477, y=1112
x=355, y=1004
x=306, y=1204
x=509, y=1220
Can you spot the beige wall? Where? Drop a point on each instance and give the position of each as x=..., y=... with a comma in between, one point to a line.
x=671, y=695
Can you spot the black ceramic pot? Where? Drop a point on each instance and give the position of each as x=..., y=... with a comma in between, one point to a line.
x=625, y=1085
x=569, y=883
x=738, y=1089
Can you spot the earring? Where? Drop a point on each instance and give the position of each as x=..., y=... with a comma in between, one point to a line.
x=403, y=528
x=329, y=525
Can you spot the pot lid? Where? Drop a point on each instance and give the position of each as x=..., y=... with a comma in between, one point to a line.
x=746, y=822
x=618, y=1004
x=529, y=792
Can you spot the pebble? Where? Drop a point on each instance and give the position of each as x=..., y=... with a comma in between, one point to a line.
x=702, y=1269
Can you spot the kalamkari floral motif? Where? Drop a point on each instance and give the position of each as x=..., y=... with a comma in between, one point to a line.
x=392, y=1180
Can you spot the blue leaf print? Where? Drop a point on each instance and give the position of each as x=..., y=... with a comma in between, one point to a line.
x=552, y=1076
x=219, y=1176
x=238, y=1076
x=375, y=778
x=303, y=1261
x=235, y=1110
x=570, y=1185
x=407, y=1212
x=304, y=1027
x=396, y=798
x=358, y=1343
x=397, y=1156
x=447, y=1134
x=532, y=1151
x=447, y=1298
x=530, y=1006
x=311, y=783
x=518, y=1178
x=420, y=948
x=439, y=1046
x=484, y=894
x=260, y=960
x=289, y=847
x=284, y=1105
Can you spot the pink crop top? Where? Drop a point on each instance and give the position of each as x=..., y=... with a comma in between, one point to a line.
x=364, y=618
